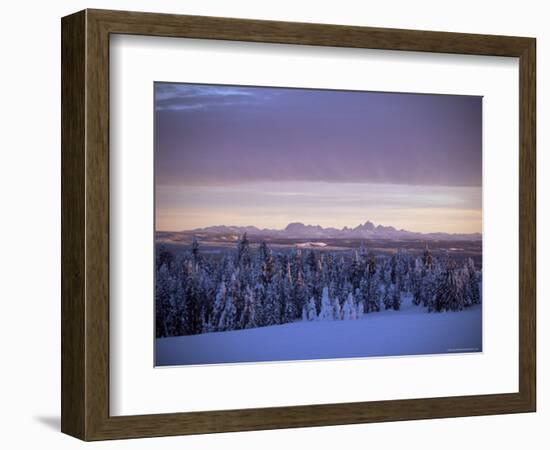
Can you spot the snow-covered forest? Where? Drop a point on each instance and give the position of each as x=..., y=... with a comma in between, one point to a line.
x=249, y=287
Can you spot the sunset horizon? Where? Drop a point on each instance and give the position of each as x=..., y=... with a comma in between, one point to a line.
x=266, y=157
x=329, y=226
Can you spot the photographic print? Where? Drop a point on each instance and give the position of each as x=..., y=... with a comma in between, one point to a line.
x=305, y=224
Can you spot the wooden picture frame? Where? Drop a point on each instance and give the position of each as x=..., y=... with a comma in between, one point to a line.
x=85, y=224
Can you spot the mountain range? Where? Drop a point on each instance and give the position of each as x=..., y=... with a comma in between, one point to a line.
x=367, y=230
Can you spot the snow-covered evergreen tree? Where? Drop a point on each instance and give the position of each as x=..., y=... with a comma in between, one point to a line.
x=266, y=262
x=189, y=302
x=359, y=309
x=326, y=312
x=219, y=307
x=244, y=287
x=402, y=271
x=450, y=292
x=472, y=280
x=311, y=272
x=228, y=318
x=248, y=315
x=163, y=257
x=260, y=308
x=299, y=294
x=336, y=308
x=370, y=294
x=289, y=311
x=272, y=307
x=236, y=290
x=393, y=298
x=164, y=310
x=429, y=284
x=349, y=311
x=195, y=252
x=416, y=281
x=427, y=258
x=387, y=297
x=309, y=311
x=243, y=252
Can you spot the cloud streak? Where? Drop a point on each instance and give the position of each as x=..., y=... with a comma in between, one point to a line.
x=182, y=97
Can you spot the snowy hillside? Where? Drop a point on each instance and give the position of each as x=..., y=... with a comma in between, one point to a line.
x=410, y=331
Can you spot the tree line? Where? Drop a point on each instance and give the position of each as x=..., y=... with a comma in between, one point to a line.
x=248, y=288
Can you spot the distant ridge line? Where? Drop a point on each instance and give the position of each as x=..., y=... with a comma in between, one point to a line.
x=367, y=230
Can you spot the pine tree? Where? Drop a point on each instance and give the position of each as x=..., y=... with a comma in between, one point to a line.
x=248, y=316
x=473, y=294
x=236, y=291
x=371, y=264
x=267, y=265
x=272, y=304
x=313, y=277
x=195, y=252
x=402, y=271
x=243, y=252
x=326, y=312
x=287, y=297
x=309, y=311
x=393, y=269
x=362, y=293
x=427, y=258
x=299, y=295
x=359, y=309
x=369, y=292
x=428, y=284
x=416, y=281
x=207, y=281
x=261, y=312
x=336, y=308
x=356, y=270
x=163, y=257
x=449, y=291
x=349, y=311
x=190, y=304
x=393, y=298
x=228, y=318
x=218, y=309
x=164, y=291
x=389, y=288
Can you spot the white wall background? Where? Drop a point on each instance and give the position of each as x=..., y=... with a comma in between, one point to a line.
x=30, y=223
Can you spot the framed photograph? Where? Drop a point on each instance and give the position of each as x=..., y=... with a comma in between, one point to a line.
x=273, y=225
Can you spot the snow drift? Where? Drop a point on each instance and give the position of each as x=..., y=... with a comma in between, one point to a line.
x=410, y=331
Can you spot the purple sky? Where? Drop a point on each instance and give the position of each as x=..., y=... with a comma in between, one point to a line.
x=268, y=156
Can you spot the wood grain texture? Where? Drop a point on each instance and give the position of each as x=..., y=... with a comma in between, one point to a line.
x=73, y=227
x=527, y=223
x=151, y=24
x=85, y=224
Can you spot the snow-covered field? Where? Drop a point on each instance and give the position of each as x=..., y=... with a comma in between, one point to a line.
x=411, y=331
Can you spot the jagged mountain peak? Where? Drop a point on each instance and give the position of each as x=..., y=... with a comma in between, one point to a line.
x=366, y=230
